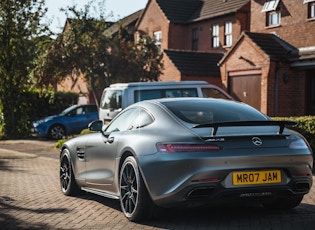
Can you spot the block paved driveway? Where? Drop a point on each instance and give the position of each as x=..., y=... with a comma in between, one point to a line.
x=30, y=198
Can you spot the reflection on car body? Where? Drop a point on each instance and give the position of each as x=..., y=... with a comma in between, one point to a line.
x=189, y=151
x=70, y=121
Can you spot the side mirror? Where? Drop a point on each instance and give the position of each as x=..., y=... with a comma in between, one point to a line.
x=96, y=126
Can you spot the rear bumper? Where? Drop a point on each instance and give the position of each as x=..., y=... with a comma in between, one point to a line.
x=177, y=179
x=202, y=194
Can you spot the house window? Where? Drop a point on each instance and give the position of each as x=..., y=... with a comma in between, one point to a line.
x=311, y=10
x=195, y=39
x=273, y=15
x=215, y=36
x=270, y=5
x=228, y=33
x=158, y=38
x=273, y=18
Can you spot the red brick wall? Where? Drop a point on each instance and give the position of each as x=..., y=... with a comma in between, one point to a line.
x=178, y=37
x=291, y=91
x=205, y=32
x=278, y=97
x=154, y=20
x=170, y=72
x=246, y=58
x=295, y=28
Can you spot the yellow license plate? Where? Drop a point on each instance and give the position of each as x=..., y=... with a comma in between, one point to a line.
x=257, y=177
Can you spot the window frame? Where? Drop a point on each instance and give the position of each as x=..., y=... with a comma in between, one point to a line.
x=228, y=29
x=311, y=10
x=270, y=5
x=158, y=37
x=269, y=18
x=195, y=38
x=215, y=36
x=308, y=1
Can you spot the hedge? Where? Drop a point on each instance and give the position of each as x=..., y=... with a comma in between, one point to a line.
x=305, y=126
x=33, y=105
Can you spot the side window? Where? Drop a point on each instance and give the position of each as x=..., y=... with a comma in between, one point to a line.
x=141, y=95
x=80, y=111
x=123, y=121
x=213, y=93
x=75, y=112
x=111, y=99
x=142, y=119
x=181, y=93
x=91, y=109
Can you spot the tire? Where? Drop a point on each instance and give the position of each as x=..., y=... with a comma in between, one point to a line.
x=285, y=203
x=68, y=184
x=57, y=132
x=135, y=201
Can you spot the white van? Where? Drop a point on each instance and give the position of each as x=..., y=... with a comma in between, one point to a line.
x=120, y=95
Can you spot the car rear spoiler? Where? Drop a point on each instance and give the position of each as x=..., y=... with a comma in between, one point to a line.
x=215, y=126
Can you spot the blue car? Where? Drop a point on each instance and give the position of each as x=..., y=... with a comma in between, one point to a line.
x=70, y=121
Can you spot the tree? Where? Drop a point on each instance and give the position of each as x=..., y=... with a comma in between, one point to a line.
x=82, y=48
x=130, y=62
x=20, y=31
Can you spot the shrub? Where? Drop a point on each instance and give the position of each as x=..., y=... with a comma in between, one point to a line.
x=34, y=105
x=305, y=126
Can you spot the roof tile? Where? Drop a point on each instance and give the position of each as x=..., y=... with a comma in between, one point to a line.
x=184, y=11
x=195, y=63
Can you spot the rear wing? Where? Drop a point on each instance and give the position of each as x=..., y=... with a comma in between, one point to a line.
x=215, y=126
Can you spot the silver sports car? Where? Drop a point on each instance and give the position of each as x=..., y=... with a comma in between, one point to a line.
x=189, y=151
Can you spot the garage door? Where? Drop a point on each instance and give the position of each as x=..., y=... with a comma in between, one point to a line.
x=247, y=89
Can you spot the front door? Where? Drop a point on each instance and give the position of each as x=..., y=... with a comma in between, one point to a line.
x=247, y=89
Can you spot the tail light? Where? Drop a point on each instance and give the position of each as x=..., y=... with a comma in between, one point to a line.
x=298, y=144
x=173, y=148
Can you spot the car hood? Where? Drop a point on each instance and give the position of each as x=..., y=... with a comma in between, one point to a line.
x=45, y=119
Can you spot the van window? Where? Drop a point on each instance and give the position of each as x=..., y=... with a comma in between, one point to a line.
x=213, y=93
x=141, y=95
x=111, y=99
x=181, y=93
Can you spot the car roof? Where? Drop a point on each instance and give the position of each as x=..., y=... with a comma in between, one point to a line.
x=160, y=83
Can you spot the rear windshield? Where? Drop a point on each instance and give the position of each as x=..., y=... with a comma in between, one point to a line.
x=141, y=95
x=213, y=111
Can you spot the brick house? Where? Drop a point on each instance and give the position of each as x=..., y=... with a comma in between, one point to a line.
x=272, y=67
x=194, y=34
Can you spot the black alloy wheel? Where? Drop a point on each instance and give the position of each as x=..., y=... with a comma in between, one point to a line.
x=134, y=198
x=67, y=181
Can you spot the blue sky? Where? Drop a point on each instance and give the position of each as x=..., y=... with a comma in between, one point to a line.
x=118, y=8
